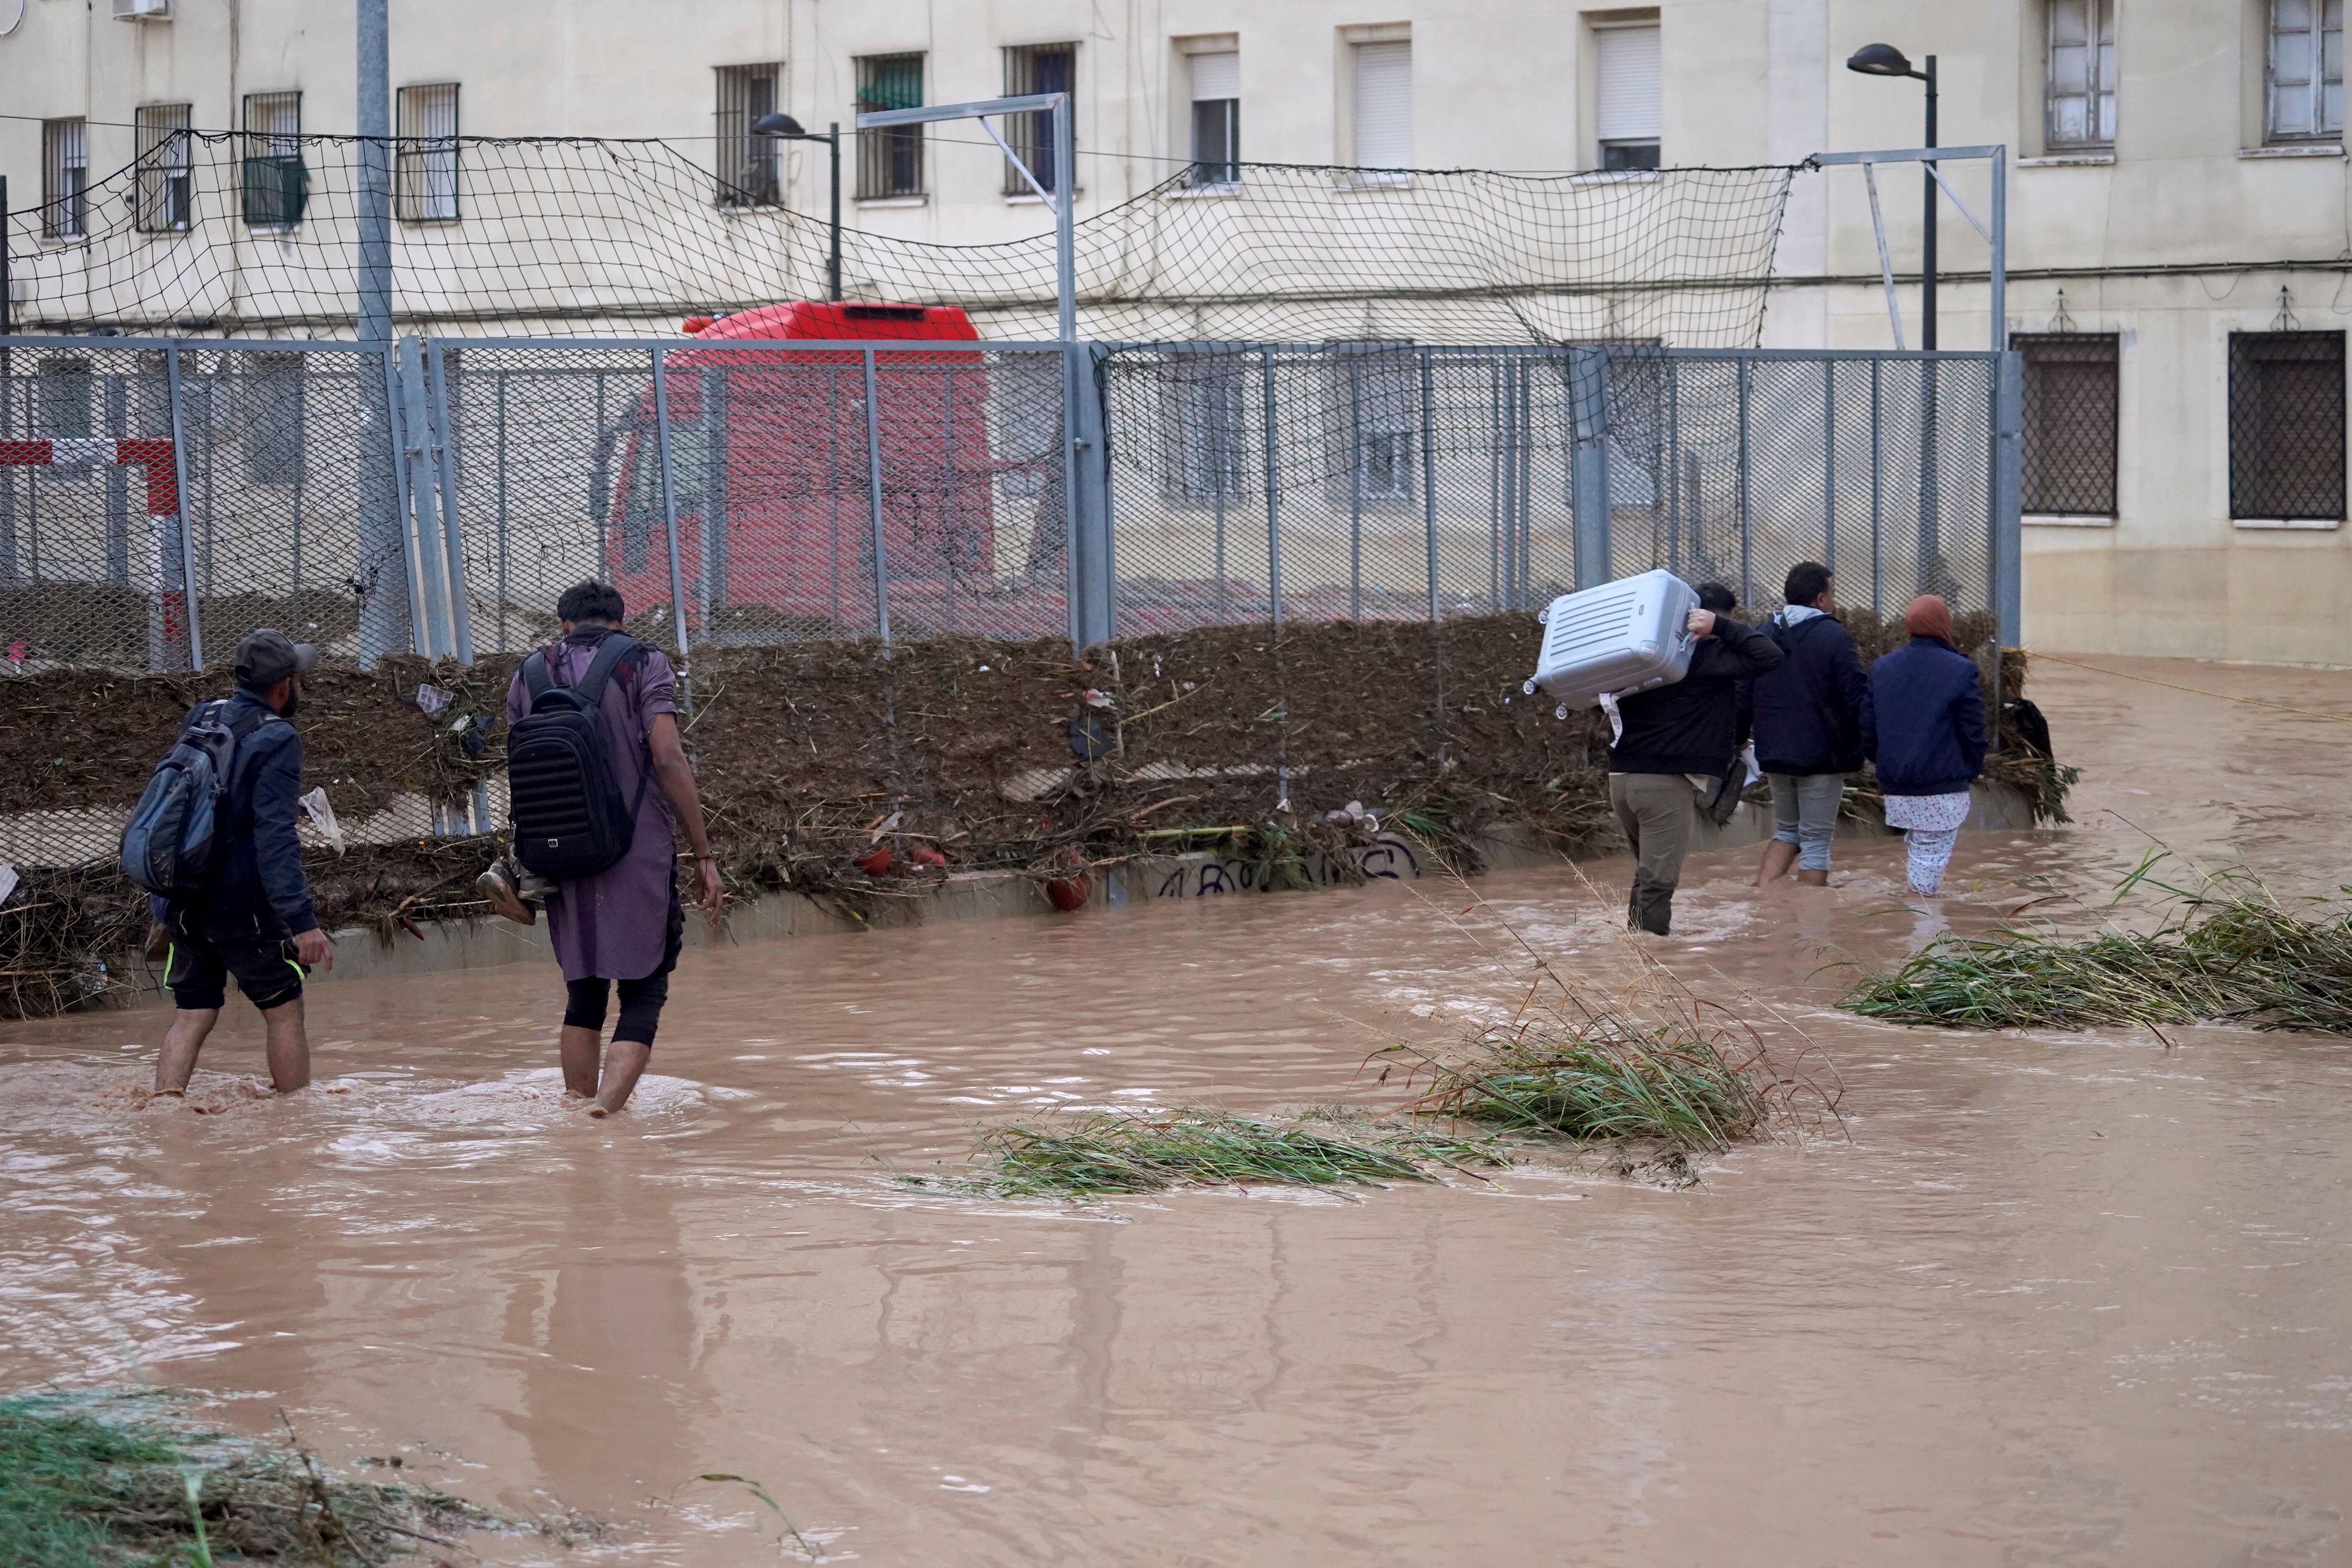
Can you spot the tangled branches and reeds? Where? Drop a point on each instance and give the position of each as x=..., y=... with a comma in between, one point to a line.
x=97, y=1481
x=2228, y=951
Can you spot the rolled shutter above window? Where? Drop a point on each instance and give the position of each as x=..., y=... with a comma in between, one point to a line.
x=1384, y=106
x=1216, y=76
x=1626, y=84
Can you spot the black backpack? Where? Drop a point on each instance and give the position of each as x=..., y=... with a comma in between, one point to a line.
x=171, y=843
x=570, y=818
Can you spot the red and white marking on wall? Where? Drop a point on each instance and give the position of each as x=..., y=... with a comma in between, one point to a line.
x=167, y=627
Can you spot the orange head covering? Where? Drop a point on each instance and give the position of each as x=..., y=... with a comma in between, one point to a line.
x=1928, y=616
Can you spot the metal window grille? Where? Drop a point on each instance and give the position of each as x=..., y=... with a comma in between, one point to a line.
x=2080, y=93
x=1216, y=118
x=890, y=161
x=1373, y=411
x=427, y=178
x=166, y=183
x=269, y=407
x=1627, y=72
x=2072, y=382
x=748, y=165
x=1036, y=67
x=2286, y=426
x=2306, y=70
x=65, y=179
x=277, y=187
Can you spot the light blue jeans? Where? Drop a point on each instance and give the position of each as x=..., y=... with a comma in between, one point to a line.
x=1805, y=813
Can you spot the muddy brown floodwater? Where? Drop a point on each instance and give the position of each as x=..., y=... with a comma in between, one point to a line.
x=2054, y=1299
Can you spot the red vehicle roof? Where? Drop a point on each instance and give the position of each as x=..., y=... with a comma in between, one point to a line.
x=846, y=322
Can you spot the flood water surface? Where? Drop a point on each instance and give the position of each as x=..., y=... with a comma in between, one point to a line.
x=2045, y=1299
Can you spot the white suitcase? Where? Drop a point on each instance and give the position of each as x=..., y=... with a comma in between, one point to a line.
x=1618, y=639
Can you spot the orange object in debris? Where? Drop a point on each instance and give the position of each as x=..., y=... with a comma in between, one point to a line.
x=1071, y=892
x=875, y=864
x=923, y=855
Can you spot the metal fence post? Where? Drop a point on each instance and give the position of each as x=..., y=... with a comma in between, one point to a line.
x=1272, y=493
x=669, y=501
x=874, y=503
x=2008, y=489
x=1829, y=464
x=1429, y=470
x=1587, y=475
x=180, y=508
x=1355, y=490
x=710, y=573
x=423, y=497
x=396, y=454
x=1093, y=579
x=1877, y=491
x=1747, y=515
x=444, y=442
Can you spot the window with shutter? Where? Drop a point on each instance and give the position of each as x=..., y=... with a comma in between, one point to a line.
x=1626, y=116
x=1216, y=117
x=166, y=197
x=2081, y=96
x=276, y=184
x=2306, y=70
x=427, y=173
x=1383, y=108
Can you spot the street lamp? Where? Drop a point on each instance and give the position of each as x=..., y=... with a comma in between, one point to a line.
x=785, y=127
x=1885, y=59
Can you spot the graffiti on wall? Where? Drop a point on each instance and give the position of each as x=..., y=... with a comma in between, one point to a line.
x=1387, y=859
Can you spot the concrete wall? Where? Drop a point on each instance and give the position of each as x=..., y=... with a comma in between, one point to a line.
x=2188, y=183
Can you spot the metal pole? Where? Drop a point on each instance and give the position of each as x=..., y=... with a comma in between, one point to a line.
x=7, y=308
x=1747, y=520
x=1355, y=490
x=1066, y=248
x=1429, y=472
x=1094, y=576
x=1829, y=465
x=874, y=504
x=1927, y=226
x=1674, y=444
x=180, y=507
x=2009, y=457
x=1877, y=494
x=423, y=497
x=1589, y=505
x=453, y=533
x=669, y=501
x=504, y=600
x=397, y=447
x=1999, y=249
x=1494, y=485
x=1273, y=493
x=833, y=258
x=373, y=198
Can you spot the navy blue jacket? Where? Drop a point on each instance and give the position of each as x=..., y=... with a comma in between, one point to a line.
x=259, y=888
x=1923, y=720
x=1807, y=714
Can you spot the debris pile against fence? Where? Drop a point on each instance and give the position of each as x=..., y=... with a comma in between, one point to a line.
x=231, y=232
x=831, y=770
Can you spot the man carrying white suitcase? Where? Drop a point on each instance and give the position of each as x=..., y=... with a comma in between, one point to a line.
x=1678, y=739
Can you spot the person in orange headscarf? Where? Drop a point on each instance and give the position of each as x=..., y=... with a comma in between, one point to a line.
x=1923, y=727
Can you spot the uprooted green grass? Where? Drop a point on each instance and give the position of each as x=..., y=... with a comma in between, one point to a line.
x=1107, y=1151
x=100, y=1481
x=2228, y=951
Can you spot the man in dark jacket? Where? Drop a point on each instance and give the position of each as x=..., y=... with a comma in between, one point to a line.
x=1807, y=717
x=1675, y=740
x=253, y=919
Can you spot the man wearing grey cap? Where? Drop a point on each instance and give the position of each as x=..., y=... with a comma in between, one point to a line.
x=252, y=919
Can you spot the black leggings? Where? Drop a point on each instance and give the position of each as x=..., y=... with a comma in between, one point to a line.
x=641, y=1000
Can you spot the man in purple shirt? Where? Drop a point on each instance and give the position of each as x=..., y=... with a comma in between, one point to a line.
x=624, y=924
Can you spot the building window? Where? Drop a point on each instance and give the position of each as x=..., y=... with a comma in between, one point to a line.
x=747, y=164
x=65, y=179
x=2306, y=70
x=1038, y=67
x=1216, y=117
x=1205, y=417
x=2286, y=426
x=427, y=180
x=2072, y=381
x=166, y=179
x=62, y=387
x=1382, y=79
x=889, y=161
x=270, y=429
x=2080, y=93
x=277, y=187
x=1625, y=76
x=1376, y=414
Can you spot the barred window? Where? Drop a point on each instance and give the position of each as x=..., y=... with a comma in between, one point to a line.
x=166, y=174
x=1205, y=422
x=748, y=165
x=1033, y=69
x=65, y=179
x=2073, y=385
x=269, y=406
x=426, y=178
x=2286, y=426
x=1375, y=417
x=277, y=187
x=2304, y=74
x=889, y=161
x=2080, y=99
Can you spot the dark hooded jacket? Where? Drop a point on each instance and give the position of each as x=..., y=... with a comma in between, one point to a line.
x=1693, y=726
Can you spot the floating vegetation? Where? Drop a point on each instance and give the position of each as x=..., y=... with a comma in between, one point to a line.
x=2228, y=953
x=98, y=1481
x=1093, y=1152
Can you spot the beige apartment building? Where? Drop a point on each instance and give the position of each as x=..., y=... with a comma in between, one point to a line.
x=2179, y=237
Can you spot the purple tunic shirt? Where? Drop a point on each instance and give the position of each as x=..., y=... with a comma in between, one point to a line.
x=616, y=923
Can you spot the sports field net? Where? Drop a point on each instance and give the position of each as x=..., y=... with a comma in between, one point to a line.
x=229, y=232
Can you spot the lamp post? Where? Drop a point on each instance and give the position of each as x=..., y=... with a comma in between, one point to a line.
x=785, y=127
x=1885, y=59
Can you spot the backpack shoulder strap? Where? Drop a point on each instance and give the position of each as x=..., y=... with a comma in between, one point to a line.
x=538, y=674
x=609, y=654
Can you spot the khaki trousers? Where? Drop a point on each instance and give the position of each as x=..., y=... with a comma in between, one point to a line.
x=1657, y=813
